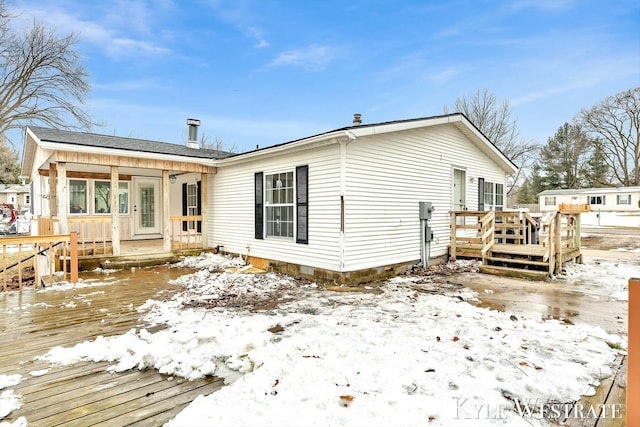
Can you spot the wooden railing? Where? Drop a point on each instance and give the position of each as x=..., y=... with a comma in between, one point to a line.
x=41, y=255
x=487, y=231
x=184, y=234
x=94, y=232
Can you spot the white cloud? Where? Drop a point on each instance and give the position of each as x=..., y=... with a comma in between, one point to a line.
x=116, y=33
x=312, y=57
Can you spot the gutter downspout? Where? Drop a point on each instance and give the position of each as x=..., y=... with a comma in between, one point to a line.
x=350, y=136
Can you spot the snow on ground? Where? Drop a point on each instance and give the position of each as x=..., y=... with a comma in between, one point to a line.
x=606, y=276
x=409, y=352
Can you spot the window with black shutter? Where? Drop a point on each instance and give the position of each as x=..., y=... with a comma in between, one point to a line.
x=259, y=205
x=302, y=204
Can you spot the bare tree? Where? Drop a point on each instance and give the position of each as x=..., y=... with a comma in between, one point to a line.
x=9, y=168
x=615, y=125
x=41, y=78
x=495, y=121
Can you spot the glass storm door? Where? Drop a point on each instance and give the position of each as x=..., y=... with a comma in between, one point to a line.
x=146, y=211
x=459, y=193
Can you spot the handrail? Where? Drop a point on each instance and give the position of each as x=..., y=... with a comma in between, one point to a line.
x=487, y=237
x=189, y=239
x=26, y=255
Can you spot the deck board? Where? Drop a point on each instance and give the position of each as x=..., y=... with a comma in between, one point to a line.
x=86, y=393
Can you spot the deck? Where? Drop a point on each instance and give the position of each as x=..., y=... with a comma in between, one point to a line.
x=513, y=243
x=84, y=394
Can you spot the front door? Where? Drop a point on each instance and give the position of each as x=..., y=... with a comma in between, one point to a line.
x=146, y=212
x=459, y=190
x=459, y=201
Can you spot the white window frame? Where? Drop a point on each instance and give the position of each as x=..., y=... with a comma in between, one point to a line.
x=623, y=199
x=71, y=198
x=123, y=205
x=27, y=199
x=499, y=194
x=549, y=200
x=597, y=200
x=275, y=189
x=95, y=195
x=192, y=204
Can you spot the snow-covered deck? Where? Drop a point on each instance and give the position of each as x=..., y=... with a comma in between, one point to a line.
x=87, y=393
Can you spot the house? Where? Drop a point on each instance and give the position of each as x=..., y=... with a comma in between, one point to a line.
x=342, y=205
x=607, y=206
x=18, y=195
x=612, y=199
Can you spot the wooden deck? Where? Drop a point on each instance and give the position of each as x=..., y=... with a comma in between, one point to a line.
x=84, y=394
x=513, y=243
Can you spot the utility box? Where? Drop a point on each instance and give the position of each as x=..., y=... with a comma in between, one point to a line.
x=425, y=210
x=428, y=234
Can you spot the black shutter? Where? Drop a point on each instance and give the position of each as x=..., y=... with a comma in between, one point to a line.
x=199, y=205
x=480, y=194
x=184, y=205
x=259, y=206
x=302, y=204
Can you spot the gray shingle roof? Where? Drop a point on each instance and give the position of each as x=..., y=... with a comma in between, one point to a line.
x=126, y=144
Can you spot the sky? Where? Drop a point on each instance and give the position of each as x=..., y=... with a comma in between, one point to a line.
x=418, y=351
x=259, y=73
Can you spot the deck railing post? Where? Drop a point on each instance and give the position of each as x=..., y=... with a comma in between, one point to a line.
x=73, y=256
x=633, y=358
x=452, y=244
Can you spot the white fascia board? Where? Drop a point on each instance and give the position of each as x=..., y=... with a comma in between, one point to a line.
x=290, y=147
x=124, y=153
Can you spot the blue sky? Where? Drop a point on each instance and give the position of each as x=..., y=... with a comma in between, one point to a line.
x=265, y=72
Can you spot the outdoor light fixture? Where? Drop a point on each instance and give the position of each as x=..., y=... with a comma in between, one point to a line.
x=172, y=178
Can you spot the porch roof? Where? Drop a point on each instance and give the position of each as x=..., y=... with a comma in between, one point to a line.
x=126, y=144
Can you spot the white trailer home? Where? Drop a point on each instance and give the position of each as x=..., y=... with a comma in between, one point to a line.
x=342, y=205
x=611, y=199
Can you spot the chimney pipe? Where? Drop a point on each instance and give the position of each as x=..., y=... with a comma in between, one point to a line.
x=357, y=119
x=192, y=141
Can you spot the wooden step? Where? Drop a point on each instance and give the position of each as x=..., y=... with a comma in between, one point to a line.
x=514, y=272
x=517, y=261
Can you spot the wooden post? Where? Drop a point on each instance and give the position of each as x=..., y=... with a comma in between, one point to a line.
x=452, y=243
x=204, y=190
x=633, y=358
x=166, y=223
x=73, y=256
x=53, y=174
x=63, y=197
x=557, y=236
x=115, y=212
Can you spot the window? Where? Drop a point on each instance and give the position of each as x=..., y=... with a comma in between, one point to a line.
x=596, y=200
x=123, y=197
x=102, y=197
x=279, y=204
x=499, y=197
x=192, y=203
x=493, y=196
x=623, y=199
x=77, y=196
x=27, y=199
x=488, y=195
x=550, y=200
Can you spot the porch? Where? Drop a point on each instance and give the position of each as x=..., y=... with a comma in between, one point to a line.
x=514, y=243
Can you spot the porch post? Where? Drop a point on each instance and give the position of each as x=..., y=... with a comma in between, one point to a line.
x=52, y=192
x=63, y=198
x=166, y=224
x=204, y=191
x=115, y=212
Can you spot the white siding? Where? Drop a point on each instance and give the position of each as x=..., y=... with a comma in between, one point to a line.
x=388, y=175
x=231, y=209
